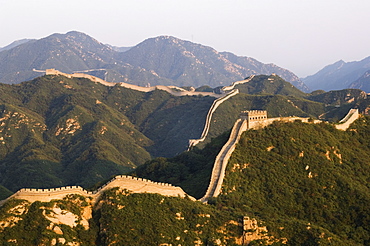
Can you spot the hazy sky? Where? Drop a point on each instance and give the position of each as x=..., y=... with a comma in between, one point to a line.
x=302, y=36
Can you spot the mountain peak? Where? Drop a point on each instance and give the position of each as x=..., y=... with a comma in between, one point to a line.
x=338, y=75
x=76, y=36
x=162, y=60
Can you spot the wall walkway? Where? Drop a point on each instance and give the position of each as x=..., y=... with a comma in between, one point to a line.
x=219, y=167
x=232, y=86
x=352, y=115
x=215, y=105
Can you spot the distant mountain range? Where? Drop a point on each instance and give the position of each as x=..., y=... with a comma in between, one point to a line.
x=362, y=83
x=341, y=75
x=156, y=61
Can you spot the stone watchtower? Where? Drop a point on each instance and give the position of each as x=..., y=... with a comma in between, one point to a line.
x=254, y=118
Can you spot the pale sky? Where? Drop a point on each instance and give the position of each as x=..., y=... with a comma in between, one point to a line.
x=300, y=35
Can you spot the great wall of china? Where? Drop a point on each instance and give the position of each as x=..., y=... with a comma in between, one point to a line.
x=249, y=120
x=215, y=105
x=351, y=116
x=135, y=185
x=254, y=119
x=174, y=90
x=228, y=91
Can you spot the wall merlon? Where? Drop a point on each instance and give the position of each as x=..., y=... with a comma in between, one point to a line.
x=122, y=181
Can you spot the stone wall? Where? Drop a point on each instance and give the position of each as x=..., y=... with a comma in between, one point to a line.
x=253, y=120
x=351, y=116
x=174, y=90
x=135, y=185
x=232, y=86
x=219, y=167
x=215, y=105
x=240, y=126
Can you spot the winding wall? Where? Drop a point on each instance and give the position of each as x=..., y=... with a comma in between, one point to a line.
x=240, y=126
x=216, y=103
x=135, y=185
x=219, y=167
x=174, y=90
x=232, y=86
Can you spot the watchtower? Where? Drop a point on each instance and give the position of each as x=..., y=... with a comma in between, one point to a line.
x=254, y=118
x=253, y=115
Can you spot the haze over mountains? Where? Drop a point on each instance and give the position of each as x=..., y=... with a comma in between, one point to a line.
x=163, y=60
x=340, y=75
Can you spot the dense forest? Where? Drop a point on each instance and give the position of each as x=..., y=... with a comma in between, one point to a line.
x=307, y=183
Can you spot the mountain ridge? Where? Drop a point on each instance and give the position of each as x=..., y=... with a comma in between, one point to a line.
x=338, y=75
x=362, y=82
x=84, y=53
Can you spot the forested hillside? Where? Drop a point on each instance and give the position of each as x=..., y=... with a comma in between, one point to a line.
x=72, y=131
x=308, y=183
x=56, y=131
x=311, y=180
x=120, y=218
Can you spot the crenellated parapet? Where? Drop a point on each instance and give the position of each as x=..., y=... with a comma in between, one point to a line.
x=253, y=115
x=133, y=184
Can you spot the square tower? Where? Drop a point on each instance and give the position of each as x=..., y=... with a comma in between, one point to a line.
x=255, y=118
x=253, y=115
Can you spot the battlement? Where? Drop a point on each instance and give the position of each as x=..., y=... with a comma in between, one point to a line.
x=252, y=115
x=133, y=184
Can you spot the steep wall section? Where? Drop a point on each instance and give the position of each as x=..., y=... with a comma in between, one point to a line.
x=348, y=120
x=219, y=167
x=215, y=104
x=135, y=185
